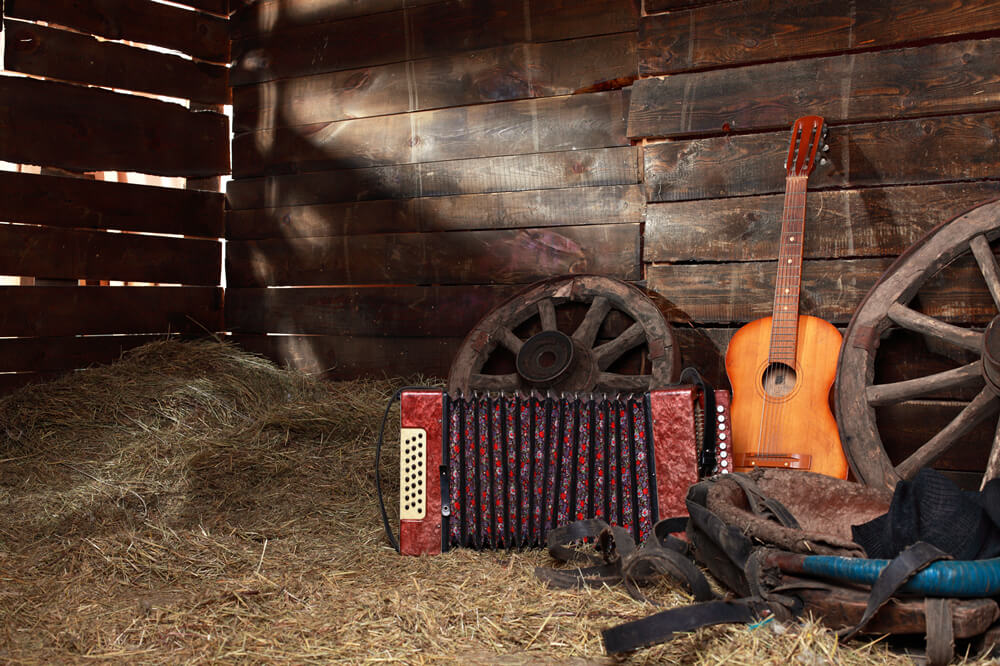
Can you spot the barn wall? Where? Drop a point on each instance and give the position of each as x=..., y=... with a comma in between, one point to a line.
x=911, y=92
x=81, y=95
x=401, y=167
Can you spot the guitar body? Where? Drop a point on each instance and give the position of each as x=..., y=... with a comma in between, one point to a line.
x=781, y=414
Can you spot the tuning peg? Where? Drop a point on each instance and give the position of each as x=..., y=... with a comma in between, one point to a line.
x=825, y=147
x=823, y=161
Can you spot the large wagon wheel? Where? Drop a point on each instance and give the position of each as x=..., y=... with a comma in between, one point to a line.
x=891, y=306
x=548, y=348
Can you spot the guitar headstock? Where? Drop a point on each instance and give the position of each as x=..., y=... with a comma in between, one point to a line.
x=808, y=137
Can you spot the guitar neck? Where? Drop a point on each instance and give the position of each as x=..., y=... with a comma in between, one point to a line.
x=785, y=313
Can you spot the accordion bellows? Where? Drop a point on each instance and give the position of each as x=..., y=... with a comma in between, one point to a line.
x=501, y=471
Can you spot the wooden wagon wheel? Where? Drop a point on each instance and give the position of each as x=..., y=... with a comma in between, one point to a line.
x=889, y=306
x=528, y=328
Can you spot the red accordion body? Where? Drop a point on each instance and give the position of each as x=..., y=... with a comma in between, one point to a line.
x=501, y=471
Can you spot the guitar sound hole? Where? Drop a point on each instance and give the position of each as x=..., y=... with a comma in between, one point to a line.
x=778, y=379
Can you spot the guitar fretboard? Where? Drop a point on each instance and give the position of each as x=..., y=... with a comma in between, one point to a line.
x=785, y=313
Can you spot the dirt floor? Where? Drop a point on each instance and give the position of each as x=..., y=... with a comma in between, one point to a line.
x=195, y=504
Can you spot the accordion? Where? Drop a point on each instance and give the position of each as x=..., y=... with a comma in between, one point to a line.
x=501, y=471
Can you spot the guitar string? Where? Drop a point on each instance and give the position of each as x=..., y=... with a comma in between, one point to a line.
x=772, y=409
x=784, y=326
x=765, y=434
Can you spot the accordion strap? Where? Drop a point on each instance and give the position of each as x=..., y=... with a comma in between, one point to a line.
x=378, y=459
x=706, y=448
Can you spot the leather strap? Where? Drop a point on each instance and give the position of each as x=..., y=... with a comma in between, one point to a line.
x=618, y=560
x=662, y=626
x=614, y=542
x=895, y=574
x=706, y=452
x=940, y=631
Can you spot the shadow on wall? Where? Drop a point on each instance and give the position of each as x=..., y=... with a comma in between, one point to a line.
x=337, y=186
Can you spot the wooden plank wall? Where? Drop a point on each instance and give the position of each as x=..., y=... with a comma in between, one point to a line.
x=911, y=92
x=79, y=94
x=401, y=166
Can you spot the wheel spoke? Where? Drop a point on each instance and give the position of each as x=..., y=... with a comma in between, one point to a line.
x=547, y=313
x=987, y=265
x=586, y=332
x=508, y=382
x=982, y=406
x=617, y=382
x=890, y=394
x=506, y=337
x=606, y=354
x=993, y=465
x=918, y=322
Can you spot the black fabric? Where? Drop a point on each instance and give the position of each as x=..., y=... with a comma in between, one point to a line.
x=931, y=508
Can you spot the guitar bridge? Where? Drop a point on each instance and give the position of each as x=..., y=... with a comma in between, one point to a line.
x=747, y=461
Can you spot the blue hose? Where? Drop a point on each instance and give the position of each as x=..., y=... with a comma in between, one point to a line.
x=945, y=578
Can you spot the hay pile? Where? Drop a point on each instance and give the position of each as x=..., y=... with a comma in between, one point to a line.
x=193, y=503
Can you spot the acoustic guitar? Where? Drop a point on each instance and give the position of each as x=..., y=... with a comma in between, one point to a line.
x=782, y=367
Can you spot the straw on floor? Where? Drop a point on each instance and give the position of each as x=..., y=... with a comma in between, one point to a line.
x=193, y=503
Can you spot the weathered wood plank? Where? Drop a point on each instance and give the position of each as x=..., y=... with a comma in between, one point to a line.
x=507, y=128
x=220, y=7
x=514, y=256
x=89, y=129
x=54, y=311
x=552, y=20
x=93, y=204
x=60, y=54
x=349, y=357
x=932, y=79
x=364, y=41
x=505, y=210
x=575, y=168
x=873, y=222
x=384, y=311
x=505, y=73
x=268, y=16
x=651, y=6
x=54, y=354
x=10, y=382
x=743, y=292
x=398, y=311
x=928, y=150
x=831, y=289
x=433, y=30
x=904, y=427
x=97, y=255
x=199, y=35
x=738, y=33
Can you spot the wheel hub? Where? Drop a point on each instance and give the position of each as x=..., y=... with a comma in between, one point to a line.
x=545, y=357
